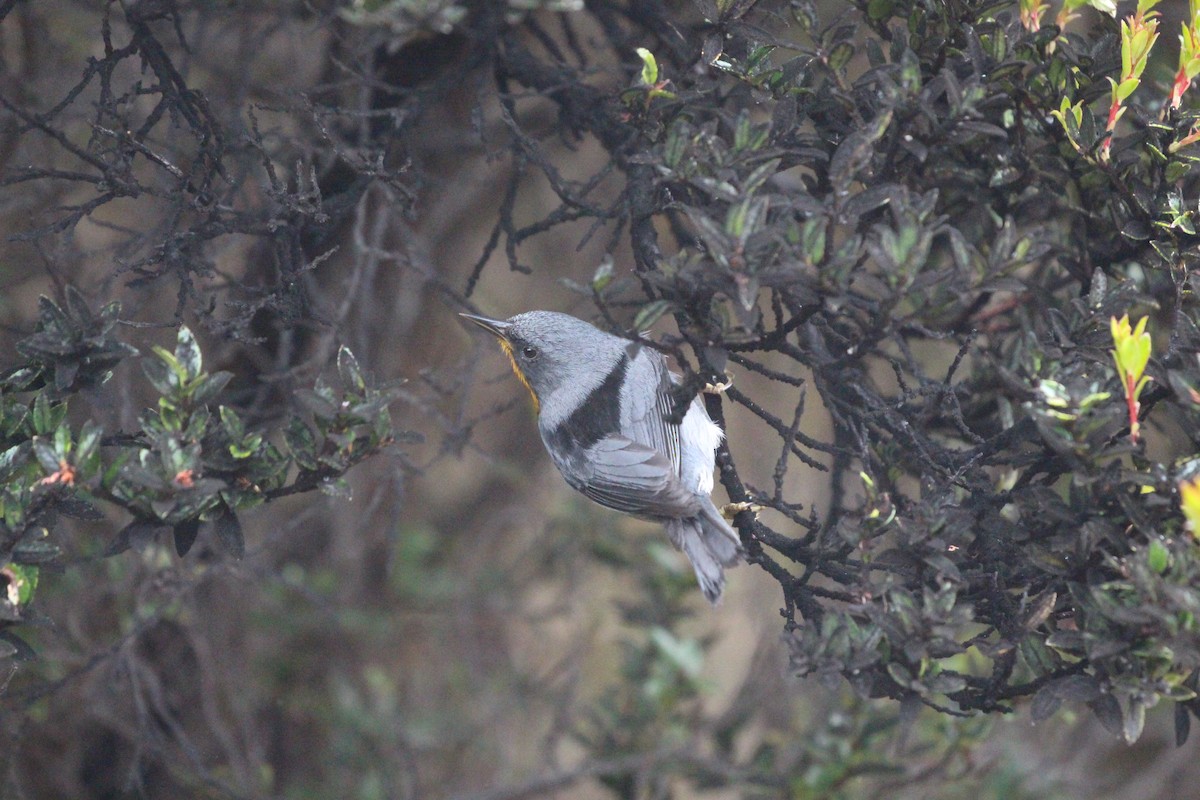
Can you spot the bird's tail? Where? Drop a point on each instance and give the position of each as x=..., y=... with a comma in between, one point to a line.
x=710, y=544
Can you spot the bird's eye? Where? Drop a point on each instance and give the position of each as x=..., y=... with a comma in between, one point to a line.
x=529, y=352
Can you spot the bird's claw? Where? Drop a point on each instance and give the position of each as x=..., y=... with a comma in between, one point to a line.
x=731, y=510
x=718, y=388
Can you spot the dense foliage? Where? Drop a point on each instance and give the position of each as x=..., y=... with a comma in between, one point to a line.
x=883, y=207
x=186, y=466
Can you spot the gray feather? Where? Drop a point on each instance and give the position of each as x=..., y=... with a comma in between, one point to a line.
x=644, y=413
x=710, y=545
x=620, y=473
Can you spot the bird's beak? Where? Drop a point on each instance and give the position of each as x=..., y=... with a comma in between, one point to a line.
x=496, y=327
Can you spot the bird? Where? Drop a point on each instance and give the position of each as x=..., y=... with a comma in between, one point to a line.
x=603, y=407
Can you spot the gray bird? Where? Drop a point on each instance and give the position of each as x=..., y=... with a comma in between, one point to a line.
x=602, y=404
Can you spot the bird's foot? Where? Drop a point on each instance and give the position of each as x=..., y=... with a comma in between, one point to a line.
x=718, y=388
x=731, y=510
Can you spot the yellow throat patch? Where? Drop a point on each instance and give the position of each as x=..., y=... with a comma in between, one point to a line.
x=512, y=359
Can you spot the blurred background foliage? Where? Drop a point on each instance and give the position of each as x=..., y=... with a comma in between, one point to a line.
x=275, y=526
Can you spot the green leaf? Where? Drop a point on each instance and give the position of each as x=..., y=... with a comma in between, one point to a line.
x=209, y=386
x=603, y=275
x=746, y=218
x=1157, y=557
x=1037, y=656
x=232, y=423
x=47, y=456
x=160, y=372
x=43, y=417
x=301, y=444
x=760, y=175
x=741, y=132
x=26, y=579
x=650, y=313
x=12, y=459
x=88, y=445
x=169, y=416
x=649, y=67
x=678, y=137
x=62, y=441
x=175, y=375
x=812, y=239
x=840, y=55
x=878, y=10
x=1125, y=88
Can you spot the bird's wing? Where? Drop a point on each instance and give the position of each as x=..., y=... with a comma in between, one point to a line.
x=644, y=419
x=629, y=476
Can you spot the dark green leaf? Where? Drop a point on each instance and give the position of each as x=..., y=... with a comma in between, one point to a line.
x=185, y=535
x=15, y=647
x=229, y=533
x=65, y=372
x=77, y=506
x=1077, y=688
x=1108, y=712
x=1134, y=720
x=138, y=534
x=210, y=386
x=813, y=240
x=1044, y=703
x=51, y=317
x=840, y=55
x=349, y=371
x=650, y=314
x=160, y=374
x=301, y=444
x=855, y=152
x=35, y=551
x=77, y=308
x=320, y=406
x=43, y=415
x=47, y=456
x=879, y=10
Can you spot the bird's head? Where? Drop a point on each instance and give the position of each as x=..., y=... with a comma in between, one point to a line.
x=550, y=351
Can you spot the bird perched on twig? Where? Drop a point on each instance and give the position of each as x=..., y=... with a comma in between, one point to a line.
x=603, y=406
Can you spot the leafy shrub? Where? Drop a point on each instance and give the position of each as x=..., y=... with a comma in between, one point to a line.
x=186, y=468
